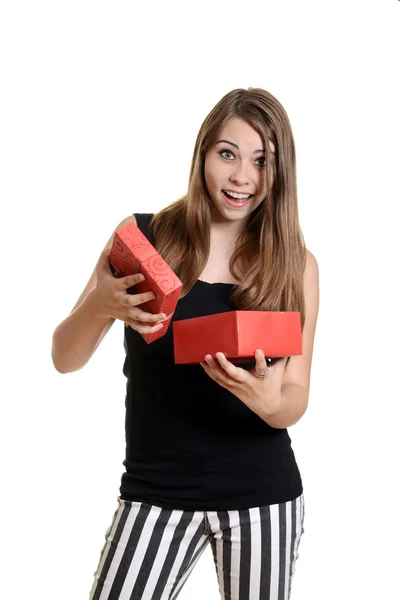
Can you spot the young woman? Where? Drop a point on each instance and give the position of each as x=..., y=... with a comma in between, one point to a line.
x=208, y=455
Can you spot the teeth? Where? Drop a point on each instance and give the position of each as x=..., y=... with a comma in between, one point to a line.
x=237, y=196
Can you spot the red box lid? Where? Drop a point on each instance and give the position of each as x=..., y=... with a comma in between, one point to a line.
x=131, y=253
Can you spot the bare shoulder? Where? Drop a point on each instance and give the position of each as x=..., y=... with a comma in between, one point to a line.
x=311, y=264
x=311, y=288
x=310, y=276
x=129, y=219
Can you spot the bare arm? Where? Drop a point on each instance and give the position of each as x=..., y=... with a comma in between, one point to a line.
x=77, y=337
x=296, y=379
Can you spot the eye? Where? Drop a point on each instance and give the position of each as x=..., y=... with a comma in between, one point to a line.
x=262, y=166
x=224, y=151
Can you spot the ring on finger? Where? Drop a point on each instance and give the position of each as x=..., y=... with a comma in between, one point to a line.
x=263, y=374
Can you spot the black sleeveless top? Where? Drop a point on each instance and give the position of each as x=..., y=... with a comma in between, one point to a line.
x=190, y=443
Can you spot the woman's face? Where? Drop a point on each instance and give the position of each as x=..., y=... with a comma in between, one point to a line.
x=236, y=163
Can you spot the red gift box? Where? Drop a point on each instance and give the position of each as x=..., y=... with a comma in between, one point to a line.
x=131, y=253
x=238, y=334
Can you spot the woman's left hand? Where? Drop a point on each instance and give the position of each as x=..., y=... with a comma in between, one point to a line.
x=263, y=396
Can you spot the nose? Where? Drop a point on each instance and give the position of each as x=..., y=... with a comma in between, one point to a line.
x=239, y=174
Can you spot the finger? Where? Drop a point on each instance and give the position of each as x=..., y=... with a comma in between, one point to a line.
x=131, y=280
x=210, y=361
x=213, y=368
x=214, y=364
x=235, y=372
x=209, y=370
x=143, y=327
x=141, y=315
x=261, y=363
x=137, y=299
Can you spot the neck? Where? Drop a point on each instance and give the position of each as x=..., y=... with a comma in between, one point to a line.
x=226, y=231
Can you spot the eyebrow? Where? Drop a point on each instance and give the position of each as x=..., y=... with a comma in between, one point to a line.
x=236, y=146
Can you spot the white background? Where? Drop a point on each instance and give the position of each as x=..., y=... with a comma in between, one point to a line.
x=101, y=103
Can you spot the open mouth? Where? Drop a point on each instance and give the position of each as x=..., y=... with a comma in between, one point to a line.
x=241, y=201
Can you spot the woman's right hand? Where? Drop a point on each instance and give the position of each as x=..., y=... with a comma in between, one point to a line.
x=112, y=300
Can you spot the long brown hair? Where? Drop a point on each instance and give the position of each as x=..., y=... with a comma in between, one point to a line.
x=271, y=248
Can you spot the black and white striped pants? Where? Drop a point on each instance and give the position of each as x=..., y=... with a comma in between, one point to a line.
x=150, y=551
